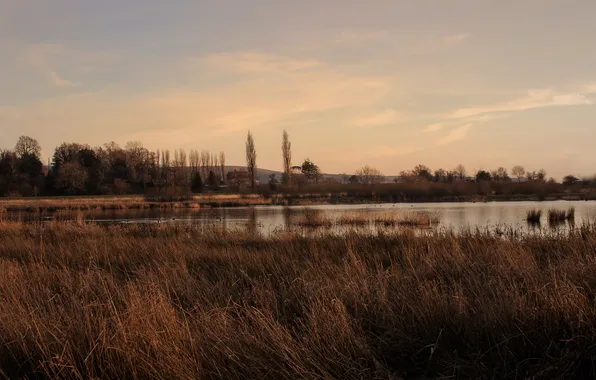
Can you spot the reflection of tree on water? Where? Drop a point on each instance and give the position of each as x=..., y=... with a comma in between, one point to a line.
x=287, y=215
x=251, y=225
x=223, y=218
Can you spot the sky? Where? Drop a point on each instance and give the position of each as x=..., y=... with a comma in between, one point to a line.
x=385, y=83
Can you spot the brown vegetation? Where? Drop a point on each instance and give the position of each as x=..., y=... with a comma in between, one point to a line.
x=559, y=216
x=81, y=301
x=314, y=219
x=534, y=216
x=53, y=204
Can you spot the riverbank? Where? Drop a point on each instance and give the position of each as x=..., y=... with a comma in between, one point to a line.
x=84, y=301
x=138, y=202
x=129, y=202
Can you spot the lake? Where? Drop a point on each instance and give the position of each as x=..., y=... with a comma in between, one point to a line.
x=267, y=219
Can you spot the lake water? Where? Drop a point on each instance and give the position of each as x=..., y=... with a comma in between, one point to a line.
x=267, y=219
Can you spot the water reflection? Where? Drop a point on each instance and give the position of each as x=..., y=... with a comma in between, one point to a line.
x=251, y=224
x=267, y=219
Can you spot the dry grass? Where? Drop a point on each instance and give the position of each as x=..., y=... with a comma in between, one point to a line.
x=389, y=219
x=83, y=301
x=315, y=219
x=54, y=204
x=409, y=219
x=312, y=218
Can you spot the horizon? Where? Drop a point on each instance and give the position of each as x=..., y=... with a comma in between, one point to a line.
x=387, y=85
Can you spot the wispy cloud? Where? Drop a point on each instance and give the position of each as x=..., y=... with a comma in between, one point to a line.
x=456, y=134
x=590, y=88
x=534, y=99
x=433, y=127
x=42, y=57
x=404, y=44
x=255, y=62
x=58, y=81
x=456, y=39
x=352, y=36
x=385, y=117
x=385, y=151
x=256, y=100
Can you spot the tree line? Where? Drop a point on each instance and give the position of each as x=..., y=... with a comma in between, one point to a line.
x=79, y=169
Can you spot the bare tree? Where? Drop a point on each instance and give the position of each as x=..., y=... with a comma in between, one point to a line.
x=369, y=176
x=460, y=171
x=500, y=174
x=215, y=169
x=158, y=163
x=27, y=146
x=251, y=160
x=222, y=165
x=179, y=165
x=71, y=178
x=518, y=171
x=286, y=148
x=205, y=157
x=165, y=164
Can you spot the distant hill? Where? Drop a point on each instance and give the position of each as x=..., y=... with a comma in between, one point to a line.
x=263, y=174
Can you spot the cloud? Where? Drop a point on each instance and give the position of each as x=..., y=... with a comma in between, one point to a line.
x=534, y=99
x=43, y=57
x=590, y=88
x=455, y=39
x=58, y=81
x=40, y=56
x=357, y=37
x=393, y=151
x=255, y=62
x=433, y=127
x=401, y=44
x=385, y=117
x=287, y=95
x=456, y=134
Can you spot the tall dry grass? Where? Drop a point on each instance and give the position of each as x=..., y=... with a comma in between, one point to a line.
x=163, y=302
x=159, y=200
x=314, y=218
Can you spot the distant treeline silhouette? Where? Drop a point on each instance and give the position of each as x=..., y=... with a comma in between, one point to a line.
x=79, y=169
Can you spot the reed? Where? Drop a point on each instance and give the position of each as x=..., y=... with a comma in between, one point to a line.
x=176, y=302
x=534, y=216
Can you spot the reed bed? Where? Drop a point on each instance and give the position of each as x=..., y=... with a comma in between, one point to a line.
x=173, y=302
x=560, y=216
x=312, y=218
x=316, y=219
x=534, y=216
x=108, y=203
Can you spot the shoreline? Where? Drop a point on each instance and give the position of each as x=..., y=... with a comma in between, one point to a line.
x=137, y=202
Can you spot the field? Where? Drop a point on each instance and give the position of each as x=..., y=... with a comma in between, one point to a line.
x=84, y=301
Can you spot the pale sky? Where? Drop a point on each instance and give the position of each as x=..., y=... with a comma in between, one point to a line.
x=388, y=83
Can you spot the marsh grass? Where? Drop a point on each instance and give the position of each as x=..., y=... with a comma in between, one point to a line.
x=561, y=216
x=557, y=215
x=315, y=218
x=157, y=200
x=173, y=302
x=571, y=214
x=534, y=216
